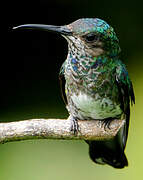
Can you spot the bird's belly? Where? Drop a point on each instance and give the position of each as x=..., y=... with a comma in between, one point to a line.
x=95, y=108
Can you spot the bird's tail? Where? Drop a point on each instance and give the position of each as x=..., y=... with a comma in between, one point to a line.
x=111, y=151
x=106, y=152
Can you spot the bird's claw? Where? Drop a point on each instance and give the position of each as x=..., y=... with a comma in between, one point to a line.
x=74, y=125
x=106, y=123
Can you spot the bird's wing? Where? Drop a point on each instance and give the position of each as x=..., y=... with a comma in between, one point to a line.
x=62, y=83
x=112, y=151
x=126, y=94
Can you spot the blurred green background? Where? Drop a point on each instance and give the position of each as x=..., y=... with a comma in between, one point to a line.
x=29, y=66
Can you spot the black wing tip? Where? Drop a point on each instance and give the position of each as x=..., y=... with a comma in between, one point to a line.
x=100, y=154
x=132, y=94
x=118, y=164
x=132, y=98
x=122, y=163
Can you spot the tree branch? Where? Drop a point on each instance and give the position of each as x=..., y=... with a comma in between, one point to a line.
x=57, y=129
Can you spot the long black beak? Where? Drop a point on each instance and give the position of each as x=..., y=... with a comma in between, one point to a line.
x=50, y=28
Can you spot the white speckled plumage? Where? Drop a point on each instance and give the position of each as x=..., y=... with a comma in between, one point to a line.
x=99, y=108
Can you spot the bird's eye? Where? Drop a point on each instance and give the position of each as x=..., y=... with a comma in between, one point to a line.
x=91, y=37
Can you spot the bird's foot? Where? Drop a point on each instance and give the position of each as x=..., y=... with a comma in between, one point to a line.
x=106, y=123
x=74, y=125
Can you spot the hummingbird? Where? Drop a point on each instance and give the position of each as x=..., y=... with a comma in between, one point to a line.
x=95, y=84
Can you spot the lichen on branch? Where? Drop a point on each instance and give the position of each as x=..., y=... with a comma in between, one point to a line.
x=57, y=129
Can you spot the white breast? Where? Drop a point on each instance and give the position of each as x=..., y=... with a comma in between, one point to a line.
x=95, y=108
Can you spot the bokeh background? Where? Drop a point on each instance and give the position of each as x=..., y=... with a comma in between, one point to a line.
x=29, y=88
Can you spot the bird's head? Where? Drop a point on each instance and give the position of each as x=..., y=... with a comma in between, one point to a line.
x=90, y=36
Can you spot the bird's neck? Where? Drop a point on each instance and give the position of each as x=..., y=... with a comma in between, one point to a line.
x=88, y=61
